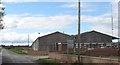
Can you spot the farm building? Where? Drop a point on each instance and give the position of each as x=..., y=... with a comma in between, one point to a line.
x=61, y=42
x=94, y=39
x=51, y=42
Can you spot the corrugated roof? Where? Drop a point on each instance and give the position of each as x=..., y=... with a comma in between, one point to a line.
x=57, y=32
x=100, y=33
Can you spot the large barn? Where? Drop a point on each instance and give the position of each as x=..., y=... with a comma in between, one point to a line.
x=50, y=42
x=58, y=41
x=93, y=39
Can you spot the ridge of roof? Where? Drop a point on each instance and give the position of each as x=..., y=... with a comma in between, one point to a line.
x=100, y=33
x=54, y=33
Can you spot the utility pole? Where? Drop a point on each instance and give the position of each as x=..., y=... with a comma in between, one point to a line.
x=78, y=31
x=28, y=40
x=118, y=32
x=39, y=41
x=112, y=20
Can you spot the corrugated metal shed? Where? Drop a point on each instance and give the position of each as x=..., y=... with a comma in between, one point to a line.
x=95, y=37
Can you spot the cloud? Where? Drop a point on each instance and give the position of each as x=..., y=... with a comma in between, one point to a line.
x=75, y=5
x=70, y=5
x=85, y=7
x=7, y=37
x=50, y=22
x=102, y=23
x=58, y=0
x=97, y=0
x=20, y=0
x=38, y=22
x=10, y=36
x=25, y=21
x=39, y=0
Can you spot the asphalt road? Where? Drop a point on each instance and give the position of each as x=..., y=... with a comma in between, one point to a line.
x=0, y=57
x=9, y=57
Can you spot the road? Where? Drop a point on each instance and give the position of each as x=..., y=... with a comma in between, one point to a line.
x=9, y=57
x=0, y=57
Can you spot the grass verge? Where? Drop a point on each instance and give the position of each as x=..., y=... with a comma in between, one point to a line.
x=46, y=61
x=49, y=61
x=17, y=50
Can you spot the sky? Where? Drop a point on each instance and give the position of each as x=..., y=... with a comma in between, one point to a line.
x=30, y=17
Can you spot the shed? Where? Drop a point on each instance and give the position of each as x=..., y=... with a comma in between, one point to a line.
x=95, y=37
x=49, y=42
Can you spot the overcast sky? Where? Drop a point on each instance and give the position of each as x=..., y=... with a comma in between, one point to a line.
x=31, y=17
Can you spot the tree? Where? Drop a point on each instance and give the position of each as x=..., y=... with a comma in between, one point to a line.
x=2, y=8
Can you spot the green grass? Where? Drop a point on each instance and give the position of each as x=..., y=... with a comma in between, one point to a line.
x=54, y=62
x=17, y=50
x=48, y=61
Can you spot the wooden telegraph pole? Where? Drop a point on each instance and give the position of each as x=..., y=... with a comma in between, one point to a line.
x=78, y=31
